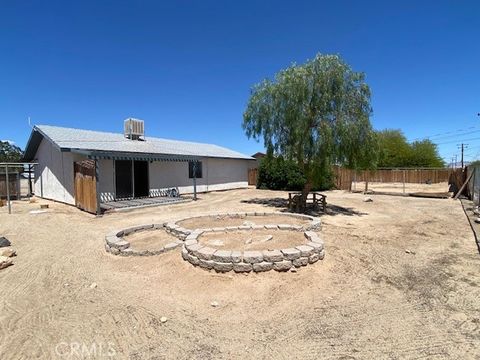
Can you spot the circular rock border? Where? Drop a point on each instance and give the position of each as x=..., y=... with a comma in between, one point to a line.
x=182, y=233
x=116, y=244
x=222, y=261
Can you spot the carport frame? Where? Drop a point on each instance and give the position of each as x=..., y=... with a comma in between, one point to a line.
x=5, y=165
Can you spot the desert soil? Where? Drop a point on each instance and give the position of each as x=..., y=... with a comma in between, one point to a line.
x=253, y=240
x=149, y=239
x=210, y=222
x=401, y=279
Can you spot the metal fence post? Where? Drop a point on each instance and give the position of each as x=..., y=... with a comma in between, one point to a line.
x=8, y=190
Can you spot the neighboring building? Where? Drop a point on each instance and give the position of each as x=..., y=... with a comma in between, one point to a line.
x=127, y=166
x=259, y=156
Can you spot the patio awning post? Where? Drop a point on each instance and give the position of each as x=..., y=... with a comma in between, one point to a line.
x=8, y=190
x=195, y=180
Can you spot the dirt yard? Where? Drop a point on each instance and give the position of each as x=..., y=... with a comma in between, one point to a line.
x=401, y=279
x=253, y=240
x=209, y=222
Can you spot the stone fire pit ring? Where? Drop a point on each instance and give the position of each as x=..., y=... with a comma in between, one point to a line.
x=117, y=244
x=222, y=261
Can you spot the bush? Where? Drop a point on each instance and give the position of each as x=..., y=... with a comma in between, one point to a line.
x=279, y=174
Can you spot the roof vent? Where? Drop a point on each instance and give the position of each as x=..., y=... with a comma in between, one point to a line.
x=134, y=129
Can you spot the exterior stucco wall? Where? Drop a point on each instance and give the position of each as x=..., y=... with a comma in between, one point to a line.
x=106, y=180
x=54, y=173
x=217, y=174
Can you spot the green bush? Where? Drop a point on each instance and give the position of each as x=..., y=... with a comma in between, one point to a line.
x=279, y=174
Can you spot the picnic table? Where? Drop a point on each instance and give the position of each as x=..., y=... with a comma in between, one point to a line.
x=315, y=198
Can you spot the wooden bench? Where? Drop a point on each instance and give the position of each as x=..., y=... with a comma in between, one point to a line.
x=316, y=199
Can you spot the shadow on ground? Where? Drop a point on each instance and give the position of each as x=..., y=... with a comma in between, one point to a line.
x=282, y=205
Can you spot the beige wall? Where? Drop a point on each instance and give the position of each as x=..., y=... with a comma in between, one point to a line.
x=54, y=173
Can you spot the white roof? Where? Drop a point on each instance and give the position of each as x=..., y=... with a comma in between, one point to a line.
x=116, y=142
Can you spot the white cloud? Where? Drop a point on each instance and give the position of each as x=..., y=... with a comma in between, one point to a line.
x=9, y=141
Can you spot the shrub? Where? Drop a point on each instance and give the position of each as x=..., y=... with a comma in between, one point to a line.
x=280, y=174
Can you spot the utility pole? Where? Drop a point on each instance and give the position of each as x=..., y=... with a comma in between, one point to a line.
x=462, y=147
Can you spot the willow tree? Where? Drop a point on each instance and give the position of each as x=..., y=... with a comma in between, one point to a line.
x=316, y=114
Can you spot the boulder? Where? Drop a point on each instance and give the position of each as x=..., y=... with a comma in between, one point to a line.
x=4, y=242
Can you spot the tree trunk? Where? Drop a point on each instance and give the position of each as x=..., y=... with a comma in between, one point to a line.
x=305, y=192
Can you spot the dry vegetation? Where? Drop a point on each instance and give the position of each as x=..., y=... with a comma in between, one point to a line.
x=368, y=298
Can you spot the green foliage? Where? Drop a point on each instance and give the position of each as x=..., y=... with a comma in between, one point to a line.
x=275, y=173
x=316, y=114
x=395, y=151
x=10, y=152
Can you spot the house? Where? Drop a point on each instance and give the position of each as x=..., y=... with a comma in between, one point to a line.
x=90, y=168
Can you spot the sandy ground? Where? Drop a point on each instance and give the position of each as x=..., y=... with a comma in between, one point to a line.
x=253, y=240
x=367, y=299
x=209, y=222
x=398, y=187
x=149, y=239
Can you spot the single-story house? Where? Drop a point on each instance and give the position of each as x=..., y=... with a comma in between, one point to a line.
x=89, y=168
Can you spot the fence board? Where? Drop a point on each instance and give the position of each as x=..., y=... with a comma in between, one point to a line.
x=344, y=177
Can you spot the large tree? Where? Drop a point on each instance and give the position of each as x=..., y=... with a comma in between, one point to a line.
x=396, y=151
x=317, y=114
x=10, y=152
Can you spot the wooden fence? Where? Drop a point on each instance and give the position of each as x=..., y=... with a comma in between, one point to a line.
x=344, y=177
x=14, y=185
x=252, y=176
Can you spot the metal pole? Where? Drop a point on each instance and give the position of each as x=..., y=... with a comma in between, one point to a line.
x=30, y=191
x=97, y=188
x=8, y=190
x=194, y=180
x=403, y=181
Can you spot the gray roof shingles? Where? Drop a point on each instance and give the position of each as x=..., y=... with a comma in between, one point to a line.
x=116, y=142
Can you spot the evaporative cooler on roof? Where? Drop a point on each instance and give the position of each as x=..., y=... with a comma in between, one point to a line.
x=134, y=129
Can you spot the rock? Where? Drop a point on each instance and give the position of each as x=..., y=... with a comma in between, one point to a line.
x=248, y=223
x=410, y=252
x=291, y=253
x=293, y=269
x=236, y=256
x=205, y=253
x=93, y=285
x=163, y=319
x=248, y=241
x=253, y=257
x=267, y=238
x=273, y=255
x=477, y=220
x=284, y=265
x=222, y=267
x=4, y=242
x=305, y=250
x=214, y=304
x=242, y=267
x=5, y=262
x=263, y=266
x=303, y=261
x=368, y=199
x=223, y=256
x=8, y=252
x=313, y=258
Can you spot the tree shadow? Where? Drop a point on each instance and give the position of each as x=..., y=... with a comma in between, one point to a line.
x=282, y=205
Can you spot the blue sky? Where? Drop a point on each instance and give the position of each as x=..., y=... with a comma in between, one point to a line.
x=186, y=67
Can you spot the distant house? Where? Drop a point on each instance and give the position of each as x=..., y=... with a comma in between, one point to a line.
x=89, y=168
x=259, y=156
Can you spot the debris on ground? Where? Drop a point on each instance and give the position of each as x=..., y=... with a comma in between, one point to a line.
x=4, y=242
x=5, y=262
x=37, y=211
x=410, y=252
x=8, y=252
x=214, y=304
x=477, y=220
x=368, y=199
x=163, y=319
x=93, y=285
x=43, y=206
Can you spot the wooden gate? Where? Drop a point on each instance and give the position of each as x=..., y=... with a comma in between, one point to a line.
x=85, y=186
x=252, y=176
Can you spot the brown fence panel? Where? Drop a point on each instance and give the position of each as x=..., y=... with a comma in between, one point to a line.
x=85, y=186
x=252, y=176
x=344, y=177
x=13, y=185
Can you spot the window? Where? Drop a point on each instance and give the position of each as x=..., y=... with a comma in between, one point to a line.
x=198, y=167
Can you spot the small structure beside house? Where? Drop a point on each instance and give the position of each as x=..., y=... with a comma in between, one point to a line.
x=91, y=169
